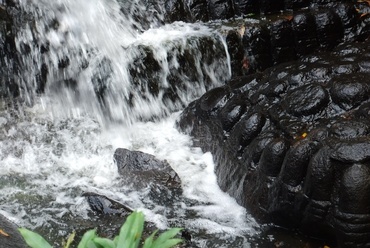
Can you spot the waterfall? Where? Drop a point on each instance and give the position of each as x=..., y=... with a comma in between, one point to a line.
x=101, y=74
x=97, y=59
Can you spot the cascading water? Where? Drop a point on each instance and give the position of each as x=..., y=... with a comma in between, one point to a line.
x=101, y=74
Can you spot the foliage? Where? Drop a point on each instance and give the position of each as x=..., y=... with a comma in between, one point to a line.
x=128, y=237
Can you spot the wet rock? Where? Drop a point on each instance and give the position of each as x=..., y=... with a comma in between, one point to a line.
x=306, y=100
x=150, y=79
x=256, y=41
x=236, y=51
x=232, y=112
x=349, y=129
x=177, y=10
x=13, y=238
x=220, y=9
x=199, y=10
x=247, y=6
x=101, y=204
x=292, y=143
x=131, y=163
x=305, y=36
x=329, y=29
x=8, y=60
x=247, y=129
x=281, y=39
x=350, y=19
x=142, y=170
x=273, y=155
x=349, y=92
x=207, y=10
x=270, y=6
x=12, y=83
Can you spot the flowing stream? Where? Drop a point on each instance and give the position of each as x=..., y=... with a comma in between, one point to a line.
x=113, y=80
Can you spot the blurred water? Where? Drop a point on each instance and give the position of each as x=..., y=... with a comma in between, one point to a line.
x=61, y=143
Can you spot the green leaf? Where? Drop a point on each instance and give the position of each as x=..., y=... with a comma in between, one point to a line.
x=70, y=240
x=106, y=243
x=165, y=236
x=115, y=240
x=169, y=243
x=87, y=239
x=149, y=241
x=91, y=244
x=33, y=239
x=131, y=231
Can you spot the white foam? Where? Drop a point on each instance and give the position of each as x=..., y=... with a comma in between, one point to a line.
x=101, y=34
x=85, y=163
x=58, y=149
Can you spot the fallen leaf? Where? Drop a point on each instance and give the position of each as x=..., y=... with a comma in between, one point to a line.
x=4, y=233
x=289, y=17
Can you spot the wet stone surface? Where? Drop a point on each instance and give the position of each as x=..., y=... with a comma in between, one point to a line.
x=292, y=143
x=275, y=39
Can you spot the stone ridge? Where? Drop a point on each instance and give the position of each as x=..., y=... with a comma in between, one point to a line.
x=286, y=37
x=292, y=144
x=208, y=10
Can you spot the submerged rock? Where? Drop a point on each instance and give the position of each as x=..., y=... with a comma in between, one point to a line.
x=292, y=143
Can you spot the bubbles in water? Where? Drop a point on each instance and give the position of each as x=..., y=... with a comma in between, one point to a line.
x=48, y=164
x=110, y=80
x=103, y=62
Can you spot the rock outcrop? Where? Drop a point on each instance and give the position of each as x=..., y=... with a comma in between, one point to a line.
x=287, y=37
x=208, y=10
x=292, y=143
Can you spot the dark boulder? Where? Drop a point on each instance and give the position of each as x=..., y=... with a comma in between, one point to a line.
x=136, y=163
x=292, y=143
x=142, y=170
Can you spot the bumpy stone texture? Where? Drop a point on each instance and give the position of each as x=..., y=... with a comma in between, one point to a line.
x=207, y=10
x=284, y=38
x=292, y=144
x=277, y=38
